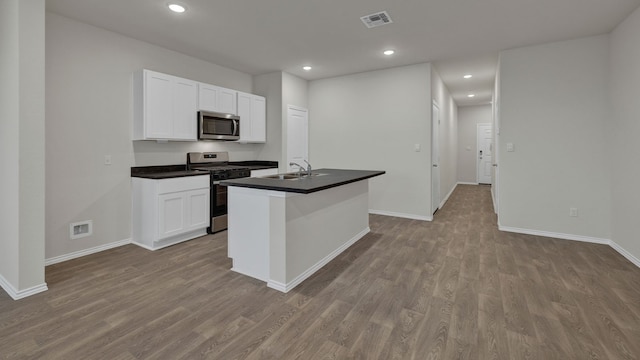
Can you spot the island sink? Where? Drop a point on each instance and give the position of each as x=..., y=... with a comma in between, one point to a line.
x=292, y=176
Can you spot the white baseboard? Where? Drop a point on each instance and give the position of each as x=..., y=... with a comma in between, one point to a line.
x=401, y=215
x=85, y=252
x=588, y=239
x=625, y=253
x=467, y=183
x=447, y=197
x=300, y=278
x=20, y=294
x=563, y=236
x=493, y=200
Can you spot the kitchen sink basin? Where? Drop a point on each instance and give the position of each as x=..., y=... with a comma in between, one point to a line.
x=283, y=176
x=293, y=176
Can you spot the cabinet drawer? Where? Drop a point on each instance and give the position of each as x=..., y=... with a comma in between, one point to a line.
x=182, y=184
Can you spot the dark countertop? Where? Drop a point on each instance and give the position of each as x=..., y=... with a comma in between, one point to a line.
x=164, y=172
x=256, y=164
x=175, y=171
x=331, y=178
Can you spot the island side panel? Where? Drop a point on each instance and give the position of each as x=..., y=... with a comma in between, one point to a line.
x=248, y=231
x=321, y=225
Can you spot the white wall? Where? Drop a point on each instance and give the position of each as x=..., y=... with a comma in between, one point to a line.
x=89, y=115
x=22, y=138
x=448, y=139
x=372, y=121
x=624, y=132
x=468, y=119
x=270, y=86
x=281, y=89
x=554, y=106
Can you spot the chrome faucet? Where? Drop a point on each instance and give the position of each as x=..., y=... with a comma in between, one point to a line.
x=302, y=168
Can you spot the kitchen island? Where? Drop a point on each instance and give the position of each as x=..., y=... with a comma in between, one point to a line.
x=282, y=229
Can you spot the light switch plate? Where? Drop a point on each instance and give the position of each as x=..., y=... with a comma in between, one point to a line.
x=510, y=147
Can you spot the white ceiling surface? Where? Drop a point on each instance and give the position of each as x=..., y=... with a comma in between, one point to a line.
x=258, y=36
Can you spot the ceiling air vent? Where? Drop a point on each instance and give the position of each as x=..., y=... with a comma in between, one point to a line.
x=377, y=19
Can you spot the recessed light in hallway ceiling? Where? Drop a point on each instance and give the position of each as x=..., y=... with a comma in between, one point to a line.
x=176, y=7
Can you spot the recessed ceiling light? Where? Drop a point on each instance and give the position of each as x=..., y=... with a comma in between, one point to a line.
x=389, y=52
x=471, y=95
x=177, y=8
x=468, y=76
x=306, y=68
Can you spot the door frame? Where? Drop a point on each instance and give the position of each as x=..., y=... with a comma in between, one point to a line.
x=286, y=140
x=478, y=150
x=435, y=158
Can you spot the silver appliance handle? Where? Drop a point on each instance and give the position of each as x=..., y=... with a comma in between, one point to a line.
x=235, y=128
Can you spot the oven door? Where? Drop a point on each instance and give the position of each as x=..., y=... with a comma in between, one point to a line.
x=218, y=126
x=218, y=208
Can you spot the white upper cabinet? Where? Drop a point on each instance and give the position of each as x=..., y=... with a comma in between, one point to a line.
x=216, y=98
x=165, y=107
x=252, y=112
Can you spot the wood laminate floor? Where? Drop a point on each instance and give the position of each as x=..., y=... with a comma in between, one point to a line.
x=454, y=288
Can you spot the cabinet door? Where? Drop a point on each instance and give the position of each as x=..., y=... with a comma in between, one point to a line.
x=185, y=108
x=227, y=101
x=258, y=119
x=208, y=97
x=198, y=208
x=252, y=112
x=158, y=105
x=216, y=98
x=171, y=214
x=244, y=111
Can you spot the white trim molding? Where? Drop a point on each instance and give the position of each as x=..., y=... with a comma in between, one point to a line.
x=310, y=271
x=563, y=236
x=85, y=252
x=20, y=294
x=625, y=253
x=401, y=215
x=467, y=183
x=448, y=195
x=588, y=239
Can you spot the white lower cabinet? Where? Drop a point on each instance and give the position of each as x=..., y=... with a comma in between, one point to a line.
x=169, y=211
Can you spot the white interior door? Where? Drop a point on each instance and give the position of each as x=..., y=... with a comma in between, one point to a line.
x=485, y=153
x=435, y=158
x=297, y=136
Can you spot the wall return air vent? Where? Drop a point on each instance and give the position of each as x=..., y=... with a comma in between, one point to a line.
x=377, y=19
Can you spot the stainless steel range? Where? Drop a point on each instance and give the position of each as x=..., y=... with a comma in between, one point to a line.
x=217, y=164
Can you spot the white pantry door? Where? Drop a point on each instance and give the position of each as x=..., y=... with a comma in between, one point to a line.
x=297, y=136
x=485, y=153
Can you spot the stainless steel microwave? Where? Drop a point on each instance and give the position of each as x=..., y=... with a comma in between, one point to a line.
x=218, y=126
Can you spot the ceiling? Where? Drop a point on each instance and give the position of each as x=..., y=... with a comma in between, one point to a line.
x=257, y=37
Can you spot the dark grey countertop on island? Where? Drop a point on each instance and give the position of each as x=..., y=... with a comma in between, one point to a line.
x=322, y=179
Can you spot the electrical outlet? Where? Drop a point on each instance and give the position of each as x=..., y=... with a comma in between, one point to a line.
x=573, y=212
x=107, y=159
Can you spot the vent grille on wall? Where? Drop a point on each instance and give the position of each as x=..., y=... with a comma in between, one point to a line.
x=377, y=19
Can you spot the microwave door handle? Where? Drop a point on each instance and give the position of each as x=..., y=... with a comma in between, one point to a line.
x=235, y=127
